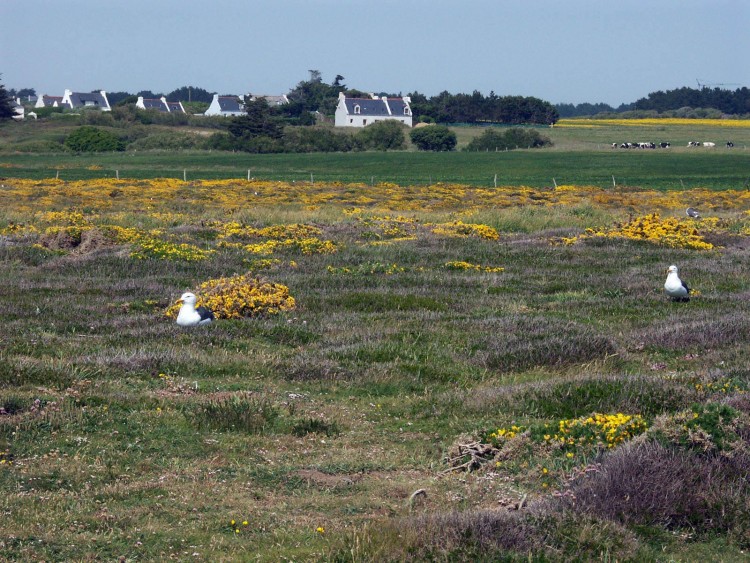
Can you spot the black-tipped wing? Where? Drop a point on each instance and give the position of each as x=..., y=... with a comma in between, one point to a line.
x=685, y=286
x=205, y=313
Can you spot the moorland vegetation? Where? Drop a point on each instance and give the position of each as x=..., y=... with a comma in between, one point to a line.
x=468, y=369
x=439, y=372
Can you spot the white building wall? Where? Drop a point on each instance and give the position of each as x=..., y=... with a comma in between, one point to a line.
x=214, y=108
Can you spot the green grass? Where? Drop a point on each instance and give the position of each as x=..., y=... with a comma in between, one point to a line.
x=534, y=168
x=579, y=156
x=124, y=435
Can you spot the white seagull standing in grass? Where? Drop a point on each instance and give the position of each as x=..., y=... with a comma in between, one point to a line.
x=189, y=315
x=677, y=289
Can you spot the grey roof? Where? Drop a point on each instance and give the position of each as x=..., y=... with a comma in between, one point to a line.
x=50, y=100
x=82, y=99
x=175, y=106
x=230, y=103
x=398, y=105
x=367, y=106
x=274, y=100
x=153, y=103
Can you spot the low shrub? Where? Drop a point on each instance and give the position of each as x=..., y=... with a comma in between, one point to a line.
x=241, y=411
x=93, y=139
x=514, y=138
x=651, y=484
x=541, y=533
x=381, y=136
x=434, y=138
x=167, y=141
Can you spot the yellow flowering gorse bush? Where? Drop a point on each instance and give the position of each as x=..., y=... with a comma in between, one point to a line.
x=669, y=231
x=241, y=296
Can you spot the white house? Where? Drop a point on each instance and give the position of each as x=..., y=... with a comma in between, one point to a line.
x=96, y=100
x=360, y=112
x=226, y=106
x=48, y=101
x=18, y=108
x=159, y=104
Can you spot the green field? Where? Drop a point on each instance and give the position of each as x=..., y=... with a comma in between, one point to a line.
x=676, y=170
x=456, y=381
x=579, y=156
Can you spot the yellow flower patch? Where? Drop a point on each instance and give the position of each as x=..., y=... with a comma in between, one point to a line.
x=241, y=296
x=460, y=265
x=670, y=231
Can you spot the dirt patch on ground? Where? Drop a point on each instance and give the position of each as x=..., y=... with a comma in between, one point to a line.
x=317, y=478
x=90, y=240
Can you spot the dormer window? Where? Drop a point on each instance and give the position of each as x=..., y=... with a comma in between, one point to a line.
x=406, y=111
x=357, y=109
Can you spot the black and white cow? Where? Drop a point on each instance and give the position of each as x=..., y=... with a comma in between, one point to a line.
x=693, y=144
x=730, y=144
x=664, y=145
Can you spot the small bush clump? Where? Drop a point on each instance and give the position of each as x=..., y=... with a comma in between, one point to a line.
x=93, y=139
x=513, y=138
x=241, y=296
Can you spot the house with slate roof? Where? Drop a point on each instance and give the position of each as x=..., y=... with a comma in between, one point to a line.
x=159, y=104
x=272, y=100
x=48, y=102
x=93, y=100
x=360, y=112
x=226, y=106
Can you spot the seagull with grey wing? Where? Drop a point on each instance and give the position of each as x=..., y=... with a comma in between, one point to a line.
x=692, y=212
x=677, y=289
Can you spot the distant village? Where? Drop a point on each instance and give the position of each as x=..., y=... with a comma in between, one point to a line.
x=350, y=111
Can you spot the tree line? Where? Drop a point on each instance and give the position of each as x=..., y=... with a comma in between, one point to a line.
x=680, y=102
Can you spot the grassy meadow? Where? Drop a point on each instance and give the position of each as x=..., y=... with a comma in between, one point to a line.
x=464, y=373
x=581, y=155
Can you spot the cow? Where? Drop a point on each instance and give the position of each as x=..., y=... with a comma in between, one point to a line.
x=730, y=144
x=693, y=144
x=664, y=145
x=709, y=144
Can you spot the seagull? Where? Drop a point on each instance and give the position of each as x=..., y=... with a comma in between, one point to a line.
x=189, y=315
x=675, y=287
x=691, y=212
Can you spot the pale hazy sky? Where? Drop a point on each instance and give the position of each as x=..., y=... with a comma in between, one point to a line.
x=563, y=51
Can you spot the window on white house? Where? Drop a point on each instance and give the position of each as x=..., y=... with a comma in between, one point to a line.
x=357, y=110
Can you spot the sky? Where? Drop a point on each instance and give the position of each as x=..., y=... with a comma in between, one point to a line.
x=562, y=51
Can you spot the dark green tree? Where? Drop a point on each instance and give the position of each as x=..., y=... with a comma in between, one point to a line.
x=314, y=95
x=93, y=139
x=6, y=109
x=259, y=121
x=514, y=138
x=382, y=136
x=190, y=94
x=434, y=138
x=118, y=98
